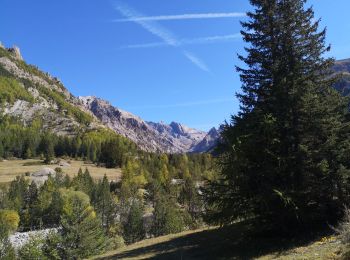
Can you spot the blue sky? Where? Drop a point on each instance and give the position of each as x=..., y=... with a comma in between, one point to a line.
x=161, y=60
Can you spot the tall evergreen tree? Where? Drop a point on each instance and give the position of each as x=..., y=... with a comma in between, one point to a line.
x=81, y=231
x=133, y=227
x=283, y=158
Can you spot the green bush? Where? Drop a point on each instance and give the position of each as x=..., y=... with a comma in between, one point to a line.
x=11, y=90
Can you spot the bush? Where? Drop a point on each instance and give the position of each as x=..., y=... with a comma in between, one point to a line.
x=6, y=250
x=10, y=90
x=343, y=228
x=32, y=249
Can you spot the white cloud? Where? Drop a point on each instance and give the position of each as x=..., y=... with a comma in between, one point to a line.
x=153, y=27
x=181, y=17
x=182, y=42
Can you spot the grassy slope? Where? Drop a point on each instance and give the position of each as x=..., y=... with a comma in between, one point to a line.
x=226, y=244
x=12, y=168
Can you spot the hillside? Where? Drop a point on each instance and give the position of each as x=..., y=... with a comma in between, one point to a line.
x=343, y=67
x=29, y=94
x=216, y=243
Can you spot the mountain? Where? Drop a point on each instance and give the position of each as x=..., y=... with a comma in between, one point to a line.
x=150, y=136
x=30, y=94
x=343, y=67
x=208, y=142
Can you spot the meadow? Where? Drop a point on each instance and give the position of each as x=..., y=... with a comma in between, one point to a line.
x=9, y=169
x=229, y=243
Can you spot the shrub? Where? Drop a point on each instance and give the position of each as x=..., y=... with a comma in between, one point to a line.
x=343, y=228
x=10, y=90
x=32, y=249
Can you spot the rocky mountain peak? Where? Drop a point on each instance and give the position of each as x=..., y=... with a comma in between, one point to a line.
x=150, y=136
x=16, y=53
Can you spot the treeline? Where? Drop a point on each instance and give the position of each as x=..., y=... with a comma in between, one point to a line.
x=99, y=146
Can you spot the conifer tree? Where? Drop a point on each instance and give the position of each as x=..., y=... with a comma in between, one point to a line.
x=133, y=227
x=81, y=231
x=283, y=158
x=104, y=203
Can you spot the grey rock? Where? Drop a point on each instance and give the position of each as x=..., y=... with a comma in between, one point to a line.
x=16, y=53
x=150, y=136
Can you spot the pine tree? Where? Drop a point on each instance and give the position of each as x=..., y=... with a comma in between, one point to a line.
x=104, y=203
x=283, y=157
x=133, y=228
x=167, y=217
x=81, y=231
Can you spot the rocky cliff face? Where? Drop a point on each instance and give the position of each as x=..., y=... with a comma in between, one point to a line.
x=150, y=136
x=208, y=142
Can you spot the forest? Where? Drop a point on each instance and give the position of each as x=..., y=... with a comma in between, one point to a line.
x=86, y=216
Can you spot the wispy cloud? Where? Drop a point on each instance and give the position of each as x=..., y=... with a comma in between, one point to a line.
x=156, y=29
x=195, y=60
x=183, y=42
x=150, y=26
x=181, y=17
x=187, y=104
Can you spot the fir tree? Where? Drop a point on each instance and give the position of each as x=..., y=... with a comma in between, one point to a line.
x=81, y=231
x=283, y=157
x=133, y=228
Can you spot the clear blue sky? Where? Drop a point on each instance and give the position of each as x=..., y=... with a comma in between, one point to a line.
x=175, y=63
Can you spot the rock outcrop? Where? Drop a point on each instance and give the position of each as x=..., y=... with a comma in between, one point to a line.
x=16, y=53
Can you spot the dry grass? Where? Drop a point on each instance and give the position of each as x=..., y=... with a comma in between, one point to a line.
x=214, y=243
x=123, y=253
x=328, y=248
x=12, y=168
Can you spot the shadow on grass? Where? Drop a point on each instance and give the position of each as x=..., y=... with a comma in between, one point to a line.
x=226, y=243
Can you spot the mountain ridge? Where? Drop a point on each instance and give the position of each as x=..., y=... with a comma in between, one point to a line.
x=44, y=97
x=150, y=136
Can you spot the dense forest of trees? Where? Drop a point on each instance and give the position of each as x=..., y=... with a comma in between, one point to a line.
x=93, y=216
x=87, y=216
x=284, y=157
x=100, y=146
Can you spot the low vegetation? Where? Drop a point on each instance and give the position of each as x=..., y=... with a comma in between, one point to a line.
x=11, y=90
x=229, y=243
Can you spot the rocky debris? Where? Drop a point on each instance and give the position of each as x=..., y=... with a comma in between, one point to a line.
x=42, y=175
x=16, y=53
x=149, y=136
x=19, y=239
x=177, y=181
x=63, y=164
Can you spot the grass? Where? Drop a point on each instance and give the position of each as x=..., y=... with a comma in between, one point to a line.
x=227, y=243
x=12, y=168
